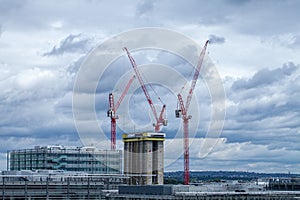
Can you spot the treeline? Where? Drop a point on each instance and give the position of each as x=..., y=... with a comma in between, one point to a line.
x=217, y=176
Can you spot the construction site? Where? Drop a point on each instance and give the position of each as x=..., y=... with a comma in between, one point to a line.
x=142, y=176
x=143, y=152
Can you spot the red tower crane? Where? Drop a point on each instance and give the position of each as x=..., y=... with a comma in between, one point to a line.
x=160, y=120
x=112, y=112
x=183, y=112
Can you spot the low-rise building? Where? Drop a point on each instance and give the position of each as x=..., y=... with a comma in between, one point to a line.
x=57, y=184
x=291, y=184
x=78, y=159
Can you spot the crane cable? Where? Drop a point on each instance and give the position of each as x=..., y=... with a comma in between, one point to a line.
x=158, y=97
x=189, y=77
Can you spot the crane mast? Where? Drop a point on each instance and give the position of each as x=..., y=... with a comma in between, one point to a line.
x=159, y=119
x=112, y=112
x=183, y=112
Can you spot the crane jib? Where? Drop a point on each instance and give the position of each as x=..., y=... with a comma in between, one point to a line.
x=133, y=63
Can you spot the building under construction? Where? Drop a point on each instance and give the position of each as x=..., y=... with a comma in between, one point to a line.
x=144, y=158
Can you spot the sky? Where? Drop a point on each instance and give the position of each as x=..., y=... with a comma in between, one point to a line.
x=255, y=47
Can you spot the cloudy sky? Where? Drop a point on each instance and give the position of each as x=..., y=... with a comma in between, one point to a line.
x=255, y=46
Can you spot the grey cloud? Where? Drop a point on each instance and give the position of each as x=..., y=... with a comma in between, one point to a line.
x=265, y=17
x=144, y=7
x=72, y=43
x=33, y=104
x=10, y=5
x=213, y=39
x=258, y=110
x=265, y=108
x=239, y=156
x=26, y=16
x=296, y=42
x=248, y=17
x=74, y=67
x=1, y=30
x=265, y=77
x=238, y=2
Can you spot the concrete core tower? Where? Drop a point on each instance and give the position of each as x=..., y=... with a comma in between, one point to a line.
x=144, y=158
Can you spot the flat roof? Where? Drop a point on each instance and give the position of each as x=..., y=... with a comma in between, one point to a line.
x=143, y=136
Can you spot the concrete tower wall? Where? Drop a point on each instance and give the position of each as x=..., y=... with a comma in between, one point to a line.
x=143, y=158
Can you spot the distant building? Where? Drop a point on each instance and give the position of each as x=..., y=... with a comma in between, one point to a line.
x=78, y=159
x=285, y=184
x=144, y=158
x=183, y=192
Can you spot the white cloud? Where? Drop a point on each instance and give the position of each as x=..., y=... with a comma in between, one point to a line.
x=34, y=78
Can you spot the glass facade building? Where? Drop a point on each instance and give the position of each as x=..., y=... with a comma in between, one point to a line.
x=78, y=159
